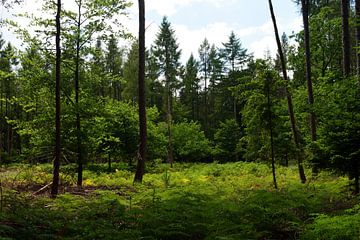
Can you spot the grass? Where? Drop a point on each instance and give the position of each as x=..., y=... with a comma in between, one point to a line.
x=189, y=201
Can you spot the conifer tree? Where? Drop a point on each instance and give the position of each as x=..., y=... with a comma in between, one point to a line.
x=167, y=54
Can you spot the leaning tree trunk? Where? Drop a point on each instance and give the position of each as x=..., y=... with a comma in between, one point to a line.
x=357, y=12
x=294, y=129
x=142, y=96
x=55, y=182
x=345, y=37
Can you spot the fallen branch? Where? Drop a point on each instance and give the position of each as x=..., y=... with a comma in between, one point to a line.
x=42, y=189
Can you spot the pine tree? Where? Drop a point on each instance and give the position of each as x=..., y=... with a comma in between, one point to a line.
x=204, y=52
x=167, y=57
x=189, y=95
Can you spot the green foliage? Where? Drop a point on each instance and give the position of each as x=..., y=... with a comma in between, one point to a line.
x=190, y=143
x=189, y=201
x=345, y=226
x=226, y=139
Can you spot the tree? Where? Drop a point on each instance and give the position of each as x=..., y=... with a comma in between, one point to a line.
x=296, y=134
x=189, y=94
x=346, y=38
x=305, y=13
x=114, y=64
x=357, y=15
x=235, y=58
x=131, y=74
x=167, y=57
x=204, y=52
x=86, y=23
x=55, y=182
x=142, y=98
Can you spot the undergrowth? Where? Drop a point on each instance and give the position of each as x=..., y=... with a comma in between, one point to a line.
x=189, y=201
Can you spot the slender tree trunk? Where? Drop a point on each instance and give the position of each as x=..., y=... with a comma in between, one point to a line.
x=55, y=182
x=142, y=96
x=77, y=91
x=346, y=38
x=294, y=129
x=109, y=162
x=271, y=135
x=356, y=177
x=169, y=123
x=305, y=13
x=1, y=143
x=357, y=12
x=206, y=100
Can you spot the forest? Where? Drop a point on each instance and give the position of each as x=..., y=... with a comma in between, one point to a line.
x=104, y=141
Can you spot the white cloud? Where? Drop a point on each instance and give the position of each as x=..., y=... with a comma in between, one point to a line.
x=171, y=7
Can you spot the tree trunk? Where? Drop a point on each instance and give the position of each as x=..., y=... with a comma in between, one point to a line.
x=305, y=13
x=356, y=177
x=142, y=96
x=206, y=100
x=357, y=12
x=55, y=182
x=77, y=91
x=1, y=149
x=170, y=158
x=109, y=162
x=294, y=129
x=271, y=135
x=345, y=37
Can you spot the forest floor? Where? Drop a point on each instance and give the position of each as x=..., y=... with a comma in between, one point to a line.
x=189, y=201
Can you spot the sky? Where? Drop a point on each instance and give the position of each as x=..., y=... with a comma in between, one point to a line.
x=193, y=20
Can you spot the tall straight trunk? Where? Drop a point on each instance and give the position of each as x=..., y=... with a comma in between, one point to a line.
x=206, y=100
x=305, y=13
x=357, y=12
x=170, y=158
x=345, y=37
x=142, y=96
x=77, y=91
x=294, y=129
x=356, y=177
x=271, y=135
x=55, y=182
x=1, y=143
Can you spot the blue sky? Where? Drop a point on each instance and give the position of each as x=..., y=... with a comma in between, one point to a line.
x=193, y=20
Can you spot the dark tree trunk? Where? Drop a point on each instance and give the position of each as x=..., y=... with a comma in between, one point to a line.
x=55, y=182
x=206, y=100
x=356, y=177
x=109, y=162
x=345, y=37
x=170, y=158
x=271, y=135
x=77, y=91
x=1, y=149
x=305, y=13
x=357, y=12
x=294, y=129
x=142, y=96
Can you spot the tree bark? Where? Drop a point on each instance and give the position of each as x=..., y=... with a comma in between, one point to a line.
x=142, y=96
x=346, y=37
x=305, y=13
x=55, y=182
x=294, y=129
x=357, y=12
x=271, y=136
x=170, y=158
x=77, y=91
